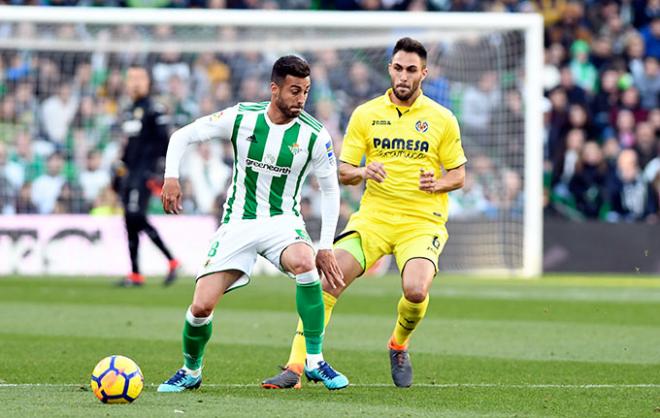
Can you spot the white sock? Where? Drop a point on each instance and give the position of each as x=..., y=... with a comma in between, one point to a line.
x=193, y=373
x=313, y=360
x=197, y=321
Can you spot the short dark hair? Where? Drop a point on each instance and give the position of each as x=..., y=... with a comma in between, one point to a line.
x=410, y=45
x=289, y=65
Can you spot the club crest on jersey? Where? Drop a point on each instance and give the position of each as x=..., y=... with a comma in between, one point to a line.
x=422, y=126
x=216, y=116
x=295, y=148
x=138, y=112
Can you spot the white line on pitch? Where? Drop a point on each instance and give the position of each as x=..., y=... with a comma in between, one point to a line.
x=386, y=385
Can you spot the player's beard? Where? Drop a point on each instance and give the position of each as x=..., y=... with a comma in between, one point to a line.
x=286, y=110
x=404, y=96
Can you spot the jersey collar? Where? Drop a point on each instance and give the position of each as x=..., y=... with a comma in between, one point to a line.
x=417, y=103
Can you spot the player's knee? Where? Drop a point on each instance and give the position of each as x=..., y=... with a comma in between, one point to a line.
x=415, y=294
x=302, y=265
x=201, y=309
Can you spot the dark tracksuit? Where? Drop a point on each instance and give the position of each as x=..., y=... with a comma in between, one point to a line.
x=145, y=125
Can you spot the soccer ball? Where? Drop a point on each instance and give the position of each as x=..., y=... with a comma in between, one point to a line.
x=117, y=379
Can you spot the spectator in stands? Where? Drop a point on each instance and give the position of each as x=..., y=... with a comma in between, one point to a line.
x=479, y=104
x=558, y=120
x=46, y=188
x=645, y=144
x=601, y=53
x=554, y=56
x=583, y=71
x=7, y=197
x=651, y=35
x=94, y=178
x=578, y=118
x=588, y=184
x=648, y=83
x=606, y=98
x=208, y=176
x=10, y=171
x=106, y=203
x=652, y=169
x=574, y=92
x=361, y=84
x=631, y=198
x=469, y=202
x=32, y=164
x=24, y=205
x=223, y=96
x=565, y=166
x=71, y=200
x=624, y=129
x=169, y=64
x=57, y=113
x=437, y=86
x=630, y=101
x=181, y=106
x=511, y=201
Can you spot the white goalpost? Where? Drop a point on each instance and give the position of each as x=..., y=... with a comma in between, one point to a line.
x=485, y=67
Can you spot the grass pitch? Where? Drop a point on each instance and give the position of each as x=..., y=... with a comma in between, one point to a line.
x=560, y=346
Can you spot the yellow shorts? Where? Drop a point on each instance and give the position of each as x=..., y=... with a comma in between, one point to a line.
x=404, y=237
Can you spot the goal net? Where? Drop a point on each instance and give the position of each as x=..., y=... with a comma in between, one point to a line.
x=62, y=90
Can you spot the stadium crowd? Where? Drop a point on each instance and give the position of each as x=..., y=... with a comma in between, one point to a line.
x=60, y=112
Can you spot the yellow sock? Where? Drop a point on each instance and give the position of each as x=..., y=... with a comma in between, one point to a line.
x=410, y=314
x=298, y=350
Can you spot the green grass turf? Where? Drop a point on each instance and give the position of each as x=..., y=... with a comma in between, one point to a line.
x=559, y=346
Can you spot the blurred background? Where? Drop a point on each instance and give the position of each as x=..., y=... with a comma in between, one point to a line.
x=61, y=106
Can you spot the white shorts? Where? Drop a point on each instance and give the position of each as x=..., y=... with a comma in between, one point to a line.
x=235, y=246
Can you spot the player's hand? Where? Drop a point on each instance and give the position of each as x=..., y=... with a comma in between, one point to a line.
x=171, y=196
x=427, y=181
x=327, y=264
x=375, y=171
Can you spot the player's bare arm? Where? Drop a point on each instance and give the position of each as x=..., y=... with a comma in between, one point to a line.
x=452, y=180
x=352, y=175
x=171, y=196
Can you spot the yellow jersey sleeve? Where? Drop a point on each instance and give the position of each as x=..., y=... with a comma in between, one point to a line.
x=355, y=141
x=451, y=148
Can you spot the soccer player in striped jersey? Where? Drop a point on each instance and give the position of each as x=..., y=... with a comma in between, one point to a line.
x=407, y=138
x=276, y=145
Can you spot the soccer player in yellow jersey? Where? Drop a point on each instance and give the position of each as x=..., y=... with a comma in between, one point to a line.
x=414, y=158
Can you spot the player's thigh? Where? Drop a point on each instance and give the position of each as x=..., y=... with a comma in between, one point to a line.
x=417, y=252
x=210, y=288
x=233, y=247
x=285, y=243
x=350, y=268
x=376, y=240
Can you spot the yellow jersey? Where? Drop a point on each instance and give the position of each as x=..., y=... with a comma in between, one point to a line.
x=423, y=136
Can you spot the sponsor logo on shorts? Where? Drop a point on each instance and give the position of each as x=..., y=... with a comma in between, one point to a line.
x=435, y=245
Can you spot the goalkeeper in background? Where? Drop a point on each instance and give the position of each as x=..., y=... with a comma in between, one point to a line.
x=144, y=123
x=408, y=140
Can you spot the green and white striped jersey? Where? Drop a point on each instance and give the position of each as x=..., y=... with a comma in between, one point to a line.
x=270, y=161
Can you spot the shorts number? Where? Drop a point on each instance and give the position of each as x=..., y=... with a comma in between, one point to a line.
x=214, y=249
